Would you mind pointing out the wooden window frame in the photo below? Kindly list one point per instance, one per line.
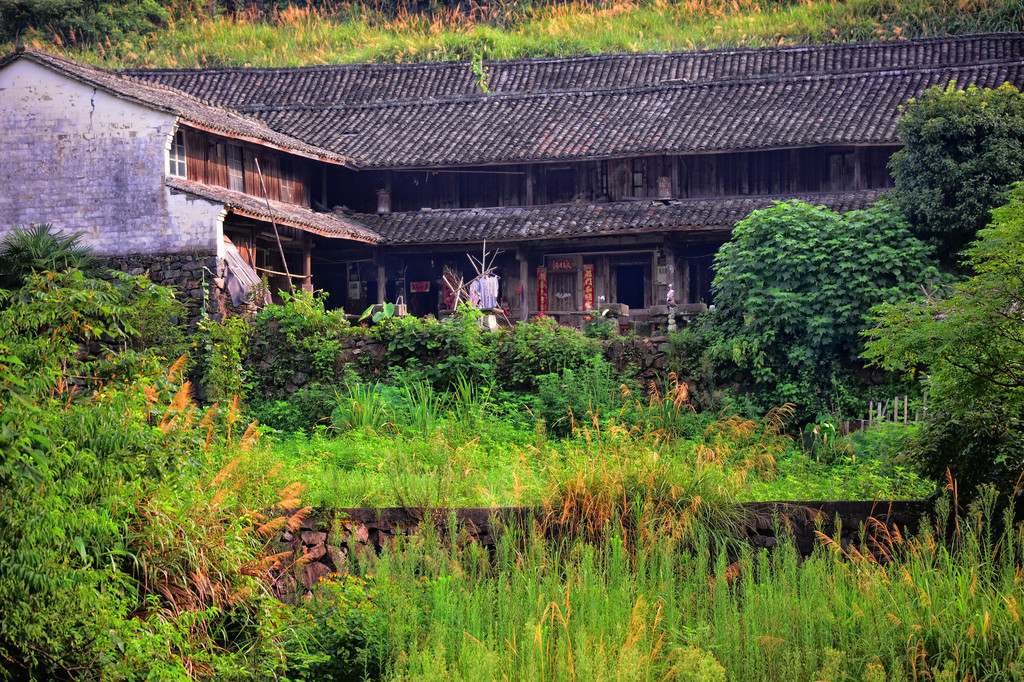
(236, 176)
(177, 165)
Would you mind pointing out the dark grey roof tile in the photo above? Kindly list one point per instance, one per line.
(606, 105)
(539, 222)
(325, 224)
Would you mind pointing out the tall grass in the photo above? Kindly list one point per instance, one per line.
(358, 34)
(591, 610)
(413, 446)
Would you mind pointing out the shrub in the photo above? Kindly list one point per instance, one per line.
(126, 550)
(540, 347)
(793, 288)
(348, 629)
(569, 397)
(300, 335)
(968, 337)
(963, 149)
(438, 351)
(221, 347)
(39, 248)
(303, 410)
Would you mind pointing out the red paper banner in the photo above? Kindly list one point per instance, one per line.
(588, 287)
(542, 289)
(562, 265)
(419, 287)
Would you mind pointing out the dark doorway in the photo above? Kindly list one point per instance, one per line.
(629, 285)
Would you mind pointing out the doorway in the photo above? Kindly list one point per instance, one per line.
(629, 285)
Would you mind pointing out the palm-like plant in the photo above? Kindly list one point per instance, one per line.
(39, 248)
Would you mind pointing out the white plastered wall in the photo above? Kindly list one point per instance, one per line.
(87, 161)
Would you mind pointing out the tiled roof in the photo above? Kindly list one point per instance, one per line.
(728, 115)
(614, 105)
(500, 224)
(546, 222)
(159, 97)
(325, 224)
(363, 83)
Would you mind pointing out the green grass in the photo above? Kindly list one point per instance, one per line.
(357, 34)
(469, 454)
(946, 607)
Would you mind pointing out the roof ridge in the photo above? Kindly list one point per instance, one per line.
(593, 92)
(616, 204)
(607, 56)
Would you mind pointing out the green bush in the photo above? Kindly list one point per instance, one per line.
(348, 629)
(125, 552)
(968, 339)
(298, 335)
(540, 347)
(40, 248)
(221, 348)
(70, 22)
(792, 292)
(571, 397)
(963, 149)
(438, 351)
(303, 410)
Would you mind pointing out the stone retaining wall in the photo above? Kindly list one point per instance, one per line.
(327, 538)
(197, 278)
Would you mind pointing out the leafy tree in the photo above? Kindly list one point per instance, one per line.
(39, 248)
(963, 150)
(793, 288)
(970, 339)
(82, 21)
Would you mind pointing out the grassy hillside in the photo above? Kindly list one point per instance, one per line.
(354, 33)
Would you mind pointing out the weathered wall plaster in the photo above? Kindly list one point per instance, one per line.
(87, 161)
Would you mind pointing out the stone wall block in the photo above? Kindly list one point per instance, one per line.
(314, 571)
(338, 556)
(311, 538)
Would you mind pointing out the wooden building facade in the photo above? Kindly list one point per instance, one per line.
(594, 181)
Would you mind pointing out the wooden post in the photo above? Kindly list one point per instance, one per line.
(871, 410)
(683, 295)
(524, 284)
(655, 298)
(895, 409)
(905, 409)
(381, 276)
(307, 262)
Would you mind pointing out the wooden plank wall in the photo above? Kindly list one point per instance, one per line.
(206, 162)
(817, 169)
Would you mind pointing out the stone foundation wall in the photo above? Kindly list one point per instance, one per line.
(187, 273)
(328, 537)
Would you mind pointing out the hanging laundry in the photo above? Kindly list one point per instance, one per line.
(488, 291)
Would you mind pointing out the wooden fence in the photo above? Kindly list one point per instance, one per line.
(895, 410)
